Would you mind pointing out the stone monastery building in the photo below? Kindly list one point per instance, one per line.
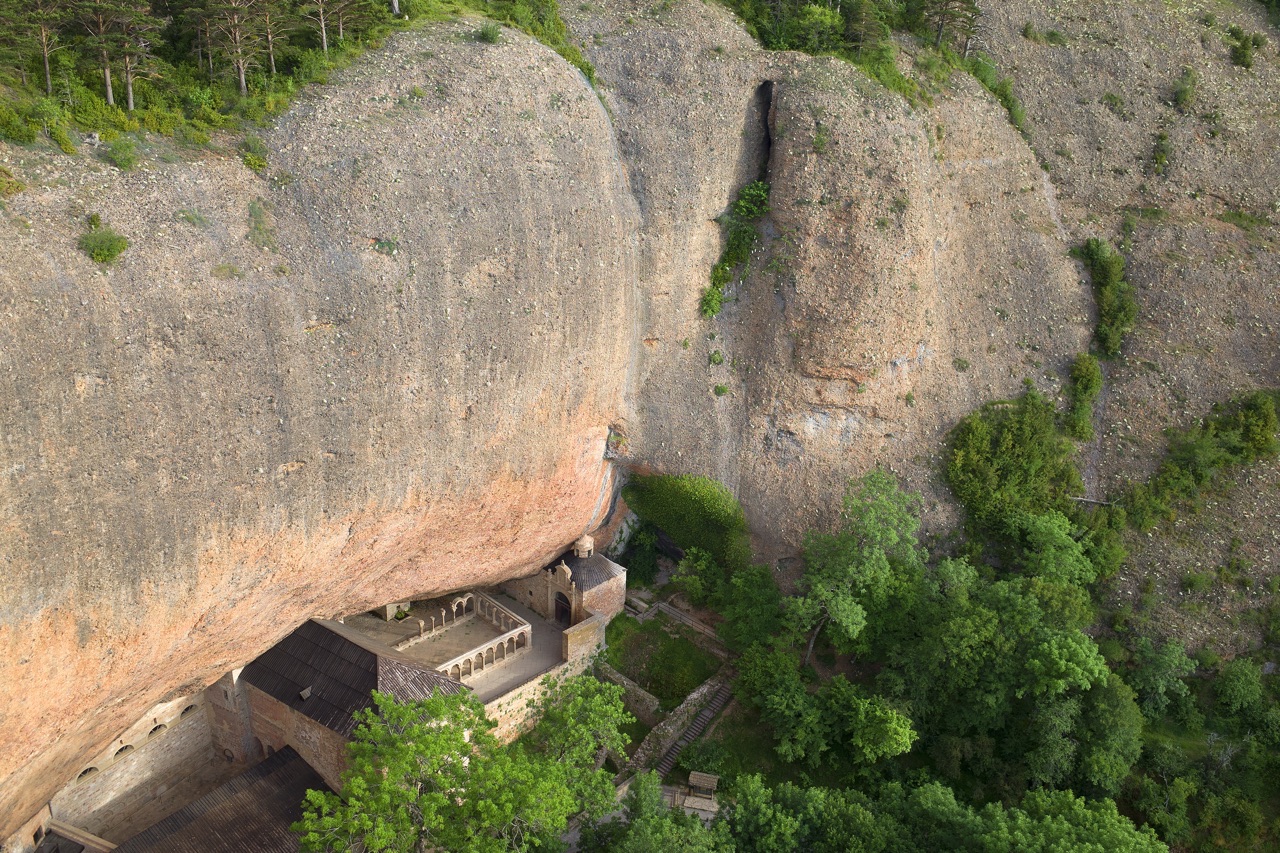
(225, 769)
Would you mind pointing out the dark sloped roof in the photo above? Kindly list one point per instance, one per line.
(342, 667)
(590, 572)
(253, 811)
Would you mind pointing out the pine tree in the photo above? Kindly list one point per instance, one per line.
(101, 19)
(319, 12)
(958, 16)
(865, 28)
(136, 27)
(14, 26)
(276, 20)
(47, 17)
(236, 29)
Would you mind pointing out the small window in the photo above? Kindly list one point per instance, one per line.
(157, 730)
(190, 709)
(87, 772)
(122, 750)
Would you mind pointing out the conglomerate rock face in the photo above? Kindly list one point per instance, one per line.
(387, 367)
(407, 391)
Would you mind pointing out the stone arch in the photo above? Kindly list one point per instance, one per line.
(564, 609)
(469, 603)
(488, 657)
(456, 672)
(458, 608)
(521, 640)
(258, 748)
(124, 749)
(87, 772)
(500, 651)
(190, 709)
(157, 730)
(466, 668)
(511, 646)
(479, 664)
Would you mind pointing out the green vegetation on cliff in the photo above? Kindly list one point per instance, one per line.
(187, 68)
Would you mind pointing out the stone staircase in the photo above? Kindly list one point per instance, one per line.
(696, 728)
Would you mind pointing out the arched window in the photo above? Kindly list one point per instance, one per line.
(122, 750)
(157, 730)
(190, 709)
(87, 772)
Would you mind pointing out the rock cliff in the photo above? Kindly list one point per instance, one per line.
(388, 365)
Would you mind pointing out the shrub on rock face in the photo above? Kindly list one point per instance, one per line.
(101, 242)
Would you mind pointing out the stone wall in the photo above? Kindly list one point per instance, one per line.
(276, 726)
(104, 800)
(608, 598)
(582, 641)
(229, 718)
(513, 711)
(531, 591)
(642, 704)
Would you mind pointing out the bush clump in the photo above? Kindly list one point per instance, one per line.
(1184, 94)
(1007, 459)
(1084, 384)
(750, 206)
(697, 512)
(9, 185)
(101, 242)
(122, 154)
(1236, 433)
(1117, 310)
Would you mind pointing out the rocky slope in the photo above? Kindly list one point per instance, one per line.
(388, 366)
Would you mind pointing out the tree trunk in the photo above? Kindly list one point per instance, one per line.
(244, 88)
(942, 25)
(128, 83)
(271, 50)
(48, 74)
(809, 652)
(324, 34)
(106, 77)
(395, 8)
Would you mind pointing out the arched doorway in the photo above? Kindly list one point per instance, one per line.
(564, 610)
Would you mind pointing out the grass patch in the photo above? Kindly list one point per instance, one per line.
(655, 655)
(1244, 221)
(261, 232)
(193, 217)
(1161, 153)
(984, 71)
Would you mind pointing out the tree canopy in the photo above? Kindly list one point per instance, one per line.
(429, 775)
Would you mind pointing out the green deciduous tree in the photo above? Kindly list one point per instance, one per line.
(1238, 685)
(869, 568)
(1157, 675)
(429, 775)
